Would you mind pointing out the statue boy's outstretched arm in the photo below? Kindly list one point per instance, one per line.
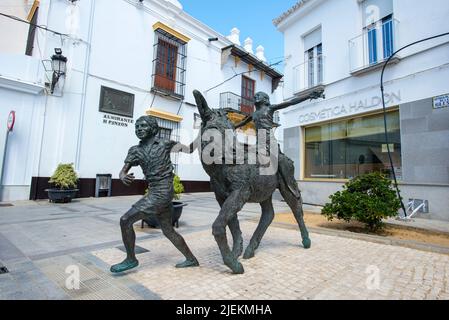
(127, 179)
(179, 147)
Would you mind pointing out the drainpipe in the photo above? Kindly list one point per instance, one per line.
(85, 78)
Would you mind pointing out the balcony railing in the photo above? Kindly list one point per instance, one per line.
(236, 102)
(309, 74)
(375, 45)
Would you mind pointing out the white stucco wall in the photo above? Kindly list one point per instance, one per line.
(20, 91)
(115, 50)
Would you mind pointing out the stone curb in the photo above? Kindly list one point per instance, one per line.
(369, 238)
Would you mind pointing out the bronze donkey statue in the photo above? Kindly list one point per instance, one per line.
(235, 185)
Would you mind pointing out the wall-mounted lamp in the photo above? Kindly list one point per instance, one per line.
(59, 67)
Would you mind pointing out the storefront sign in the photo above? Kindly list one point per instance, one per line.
(350, 108)
(441, 102)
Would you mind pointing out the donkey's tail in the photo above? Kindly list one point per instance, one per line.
(287, 175)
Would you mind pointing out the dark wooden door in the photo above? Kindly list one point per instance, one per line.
(165, 77)
(248, 92)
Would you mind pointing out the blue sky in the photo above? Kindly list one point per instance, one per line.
(252, 17)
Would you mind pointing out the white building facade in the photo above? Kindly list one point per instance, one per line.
(340, 46)
(125, 59)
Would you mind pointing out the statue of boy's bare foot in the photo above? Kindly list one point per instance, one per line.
(188, 264)
(124, 266)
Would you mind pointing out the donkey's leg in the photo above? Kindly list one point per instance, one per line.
(296, 205)
(236, 232)
(232, 205)
(237, 238)
(265, 220)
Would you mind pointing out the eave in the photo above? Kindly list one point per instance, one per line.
(252, 60)
(20, 85)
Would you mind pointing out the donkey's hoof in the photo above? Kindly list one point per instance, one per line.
(307, 243)
(234, 265)
(238, 249)
(238, 268)
(249, 253)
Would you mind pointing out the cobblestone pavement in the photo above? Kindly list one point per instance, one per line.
(42, 244)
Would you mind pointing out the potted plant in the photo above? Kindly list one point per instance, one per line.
(177, 206)
(64, 181)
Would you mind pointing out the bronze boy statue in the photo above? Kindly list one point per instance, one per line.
(153, 156)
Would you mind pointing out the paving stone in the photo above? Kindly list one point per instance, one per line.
(334, 268)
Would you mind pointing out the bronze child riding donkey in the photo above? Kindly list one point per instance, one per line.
(234, 184)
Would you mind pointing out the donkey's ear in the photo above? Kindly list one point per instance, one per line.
(200, 100)
(202, 105)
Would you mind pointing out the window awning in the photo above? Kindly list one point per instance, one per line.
(164, 115)
(171, 31)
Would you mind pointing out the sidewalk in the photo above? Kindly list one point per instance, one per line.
(40, 241)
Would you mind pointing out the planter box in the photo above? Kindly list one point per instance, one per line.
(61, 196)
(153, 222)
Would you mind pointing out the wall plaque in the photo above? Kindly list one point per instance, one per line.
(116, 102)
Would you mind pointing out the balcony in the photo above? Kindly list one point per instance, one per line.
(229, 100)
(309, 76)
(374, 46)
(21, 73)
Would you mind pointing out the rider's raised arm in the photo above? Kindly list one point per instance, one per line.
(287, 104)
(244, 122)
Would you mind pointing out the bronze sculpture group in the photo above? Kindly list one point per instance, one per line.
(234, 184)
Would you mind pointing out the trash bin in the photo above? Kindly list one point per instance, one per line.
(103, 185)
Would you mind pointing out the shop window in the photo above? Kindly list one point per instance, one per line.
(346, 149)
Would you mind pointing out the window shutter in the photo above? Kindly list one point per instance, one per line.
(375, 10)
(312, 39)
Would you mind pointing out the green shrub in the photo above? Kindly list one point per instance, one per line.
(177, 186)
(368, 198)
(64, 177)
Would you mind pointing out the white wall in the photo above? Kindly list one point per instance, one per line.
(14, 34)
(20, 91)
(115, 51)
(417, 21)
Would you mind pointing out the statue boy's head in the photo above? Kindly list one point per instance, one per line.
(261, 98)
(146, 127)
